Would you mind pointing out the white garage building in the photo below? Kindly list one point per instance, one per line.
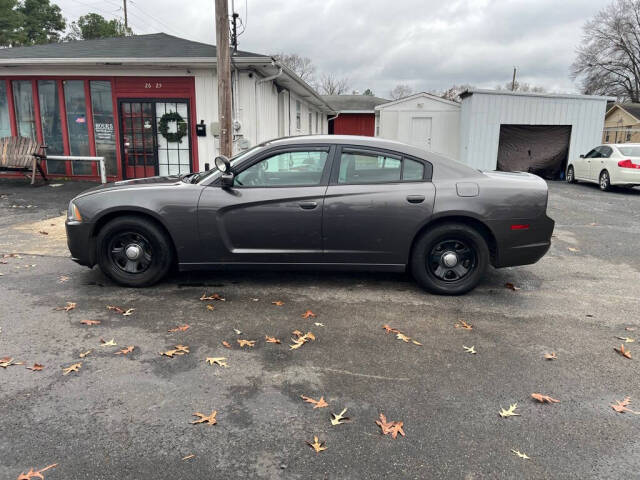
(424, 120)
(536, 132)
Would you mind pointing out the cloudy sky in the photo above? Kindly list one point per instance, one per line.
(377, 44)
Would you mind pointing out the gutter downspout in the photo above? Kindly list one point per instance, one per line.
(255, 88)
(332, 118)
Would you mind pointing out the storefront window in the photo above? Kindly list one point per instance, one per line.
(5, 122)
(51, 123)
(77, 125)
(103, 126)
(23, 101)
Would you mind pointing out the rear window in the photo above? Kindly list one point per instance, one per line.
(630, 151)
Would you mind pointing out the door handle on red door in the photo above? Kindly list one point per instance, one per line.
(308, 205)
(415, 198)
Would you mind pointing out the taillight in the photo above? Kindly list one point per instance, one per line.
(520, 226)
(628, 164)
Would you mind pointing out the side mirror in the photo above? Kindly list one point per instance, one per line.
(581, 156)
(226, 180)
(223, 164)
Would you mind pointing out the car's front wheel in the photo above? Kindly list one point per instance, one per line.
(605, 181)
(450, 259)
(571, 176)
(133, 251)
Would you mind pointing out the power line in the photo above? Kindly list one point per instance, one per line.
(160, 22)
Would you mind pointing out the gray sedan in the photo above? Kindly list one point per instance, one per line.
(317, 202)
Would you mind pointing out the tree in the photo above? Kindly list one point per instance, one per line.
(302, 66)
(92, 26)
(608, 57)
(521, 87)
(42, 22)
(400, 91)
(368, 92)
(10, 21)
(330, 85)
(453, 93)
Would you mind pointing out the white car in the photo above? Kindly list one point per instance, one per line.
(616, 164)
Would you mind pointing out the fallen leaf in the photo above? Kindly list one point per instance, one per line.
(520, 454)
(464, 325)
(621, 406)
(550, 356)
(471, 349)
(90, 322)
(392, 428)
(339, 419)
(73, 368)
(511, 286)
(301, 339)
(226, 344)
(214, 296)
(182, 348)
(544, 398)
(188, 457)
(246, 343)
(8, 362)
(509, 413)
(626, 339)
(114, 308)
(128, 312)
(237, 332)
(415, 342)
(177, 350)
(63, 278)
(316, 445)
(269, 339)
(36, 367)
(296, 332)
(125, 351)
(179, 328)
(623, 352)
(308, 314)
(572, 249)
(220, 361)
(319, 324)
(68, 307)
(403, 337)
(316, 403)
(210, 420)
(210, 307)
(35, 474)
(84, 354)
(277, 303)
(389, 329)
(110, 343)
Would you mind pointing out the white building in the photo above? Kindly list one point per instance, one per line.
(424, 120)
(137, 100)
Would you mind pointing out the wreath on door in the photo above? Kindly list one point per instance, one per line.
(163, 127)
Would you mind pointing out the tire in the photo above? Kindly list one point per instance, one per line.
(131, 235)
(571, 176)
(605, 181)
(466, 243)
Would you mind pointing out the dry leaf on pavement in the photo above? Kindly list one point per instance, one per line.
(269, 339)
(237, 332)
(471, 349)
(220, 361)
(215, 296)
(622, 406)
(90, 322)
(177, 350)
(31, 474)
(520, 454)
(316, 403)
(73, 368)
(511, 412)
(8, 362)
(464, 325)
(393, 428)
(339, 419)
(179, 328)
(389, 329)
(308, 314)
(623, 352)
(68, 307)
(544, 398)
(301, 339)
(316, 445)
(36, 367)
(572, 249)
(511, 286)
(226, 344)
(278, 303)
(188, 457)
(128, 312)
(84, 354)
(210, 307)
(210, 419)
(110, 343)
(246, 343)
(550, 356)
(626, 339)
(125, 351)
(114, 308)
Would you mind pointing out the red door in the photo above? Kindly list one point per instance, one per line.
(138, 133)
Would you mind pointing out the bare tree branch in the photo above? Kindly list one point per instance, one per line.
(330, 85)
(400, 91)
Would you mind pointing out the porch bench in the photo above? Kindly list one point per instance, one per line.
(21, 153)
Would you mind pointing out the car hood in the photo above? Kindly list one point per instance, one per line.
(129, 184)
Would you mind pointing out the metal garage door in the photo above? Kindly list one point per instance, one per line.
(538, 149)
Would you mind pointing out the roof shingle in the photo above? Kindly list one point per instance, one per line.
(342, 103)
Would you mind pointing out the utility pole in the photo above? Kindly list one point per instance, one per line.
(224, 77)
(513, 82)
(126, 19)
(234, 34)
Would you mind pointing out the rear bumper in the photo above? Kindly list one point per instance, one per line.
(80, 243)
(523, 247)
(626, 176)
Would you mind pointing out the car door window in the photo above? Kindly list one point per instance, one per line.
(412, 170)
(593, 154)
(361, 167)
(605, 152)
(286, 169)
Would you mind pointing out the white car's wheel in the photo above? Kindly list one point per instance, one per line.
(605, 181)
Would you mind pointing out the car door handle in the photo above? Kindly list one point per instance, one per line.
(308, 205)
(415, 198)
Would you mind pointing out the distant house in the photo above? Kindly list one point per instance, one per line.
(356, 114)
(137, 101)
(622, 123)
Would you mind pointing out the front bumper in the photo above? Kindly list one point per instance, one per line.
(80, 243)
(523, 247)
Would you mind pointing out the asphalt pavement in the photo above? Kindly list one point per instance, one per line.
(128, 416)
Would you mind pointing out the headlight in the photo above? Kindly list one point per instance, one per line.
(73, 214)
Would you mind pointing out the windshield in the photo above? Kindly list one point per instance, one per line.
(630, 151)
(202, 176)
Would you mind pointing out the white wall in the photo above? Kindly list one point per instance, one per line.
(483, 113)
(395, 123)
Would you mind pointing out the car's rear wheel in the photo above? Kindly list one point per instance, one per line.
(134, 251)
(605, 181)
(450, 259)
(571, 176)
